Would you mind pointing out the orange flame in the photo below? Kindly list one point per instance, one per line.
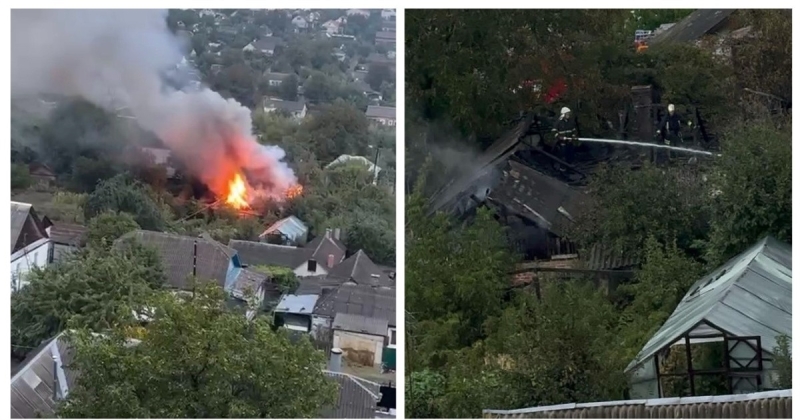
(237, 193)
(294, 191)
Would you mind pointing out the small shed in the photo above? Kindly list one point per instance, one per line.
(294, 312)
(361, 338)
(287, 231)
(741, 308)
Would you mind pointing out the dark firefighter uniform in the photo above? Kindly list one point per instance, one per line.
(670, 128)
(566, 137)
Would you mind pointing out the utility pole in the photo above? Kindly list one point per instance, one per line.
(375, 164)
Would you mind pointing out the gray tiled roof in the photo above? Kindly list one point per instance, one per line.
(358, 300)
(358, 398)
(34, 385)
(375, 111)
(177, 256)
(260, 253)
(287, 106)
(361, 324)
(360, 269)
(68, 234)
(324, 245)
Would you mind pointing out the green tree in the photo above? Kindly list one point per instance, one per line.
(108, 226)
(377, 74)
(123, 194)
(662, 281)
(338, 129)
(625, 207)
(20, 176)
(320, 87)
(284, 277)
(423, 389)
(783, 362)
(752, 184)
(288, 89)
(96, 289)
(86, 173)
(229, 367)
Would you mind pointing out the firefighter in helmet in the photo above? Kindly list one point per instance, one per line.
(566, 134)
(670, 127)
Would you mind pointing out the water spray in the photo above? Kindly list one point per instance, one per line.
(656, 145)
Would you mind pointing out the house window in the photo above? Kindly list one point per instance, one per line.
(312, 266)
(392, 337)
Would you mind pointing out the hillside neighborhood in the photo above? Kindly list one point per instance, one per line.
(631, 251)
(118, 240)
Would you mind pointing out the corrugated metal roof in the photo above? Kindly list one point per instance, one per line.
(361, 324)
(606, 258)
(562, 410)
(291, 227)
(692, 27)
(750, 295)
(358, 398)
(34, 386)
(260, 253)
(374, 302)
(297, 304)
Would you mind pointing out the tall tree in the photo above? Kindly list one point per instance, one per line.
(96, 289)
(123, 194)
(197, 359)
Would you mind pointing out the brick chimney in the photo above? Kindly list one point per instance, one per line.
(330, 260)
(337, 234)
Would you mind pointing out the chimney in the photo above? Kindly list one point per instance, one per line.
(330, 260)
(328, 233)
(335, 364)
(337, 234)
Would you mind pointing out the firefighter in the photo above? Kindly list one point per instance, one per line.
(566, 134)
(670, 127)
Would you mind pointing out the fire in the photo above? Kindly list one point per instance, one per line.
(237, 193)
(294, 191)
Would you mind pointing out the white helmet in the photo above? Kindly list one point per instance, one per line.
(671, 108)
(565, 110)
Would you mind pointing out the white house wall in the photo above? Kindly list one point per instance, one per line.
(302, 271)
(34, 255)
(353, 344)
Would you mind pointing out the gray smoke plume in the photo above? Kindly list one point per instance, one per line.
(115, 59)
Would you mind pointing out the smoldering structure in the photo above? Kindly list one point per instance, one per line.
(116, 59)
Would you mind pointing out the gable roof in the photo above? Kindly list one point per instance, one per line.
(750, 295)
(178, 257)
(361, 324)
(287, 106)
(358, 300)
(34, 385)
(692, 27)
(26, 227)
(291, 227)
(376, 111)
(68, 234)
(324, 245)
(260, 253)
(358, 398)
(267, 43)
(360, 269)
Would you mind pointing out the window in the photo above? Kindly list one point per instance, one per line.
(312, 266)
(392, 337)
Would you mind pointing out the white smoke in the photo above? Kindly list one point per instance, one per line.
(115, 59)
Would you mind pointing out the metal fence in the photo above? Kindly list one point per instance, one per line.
(765, 405)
